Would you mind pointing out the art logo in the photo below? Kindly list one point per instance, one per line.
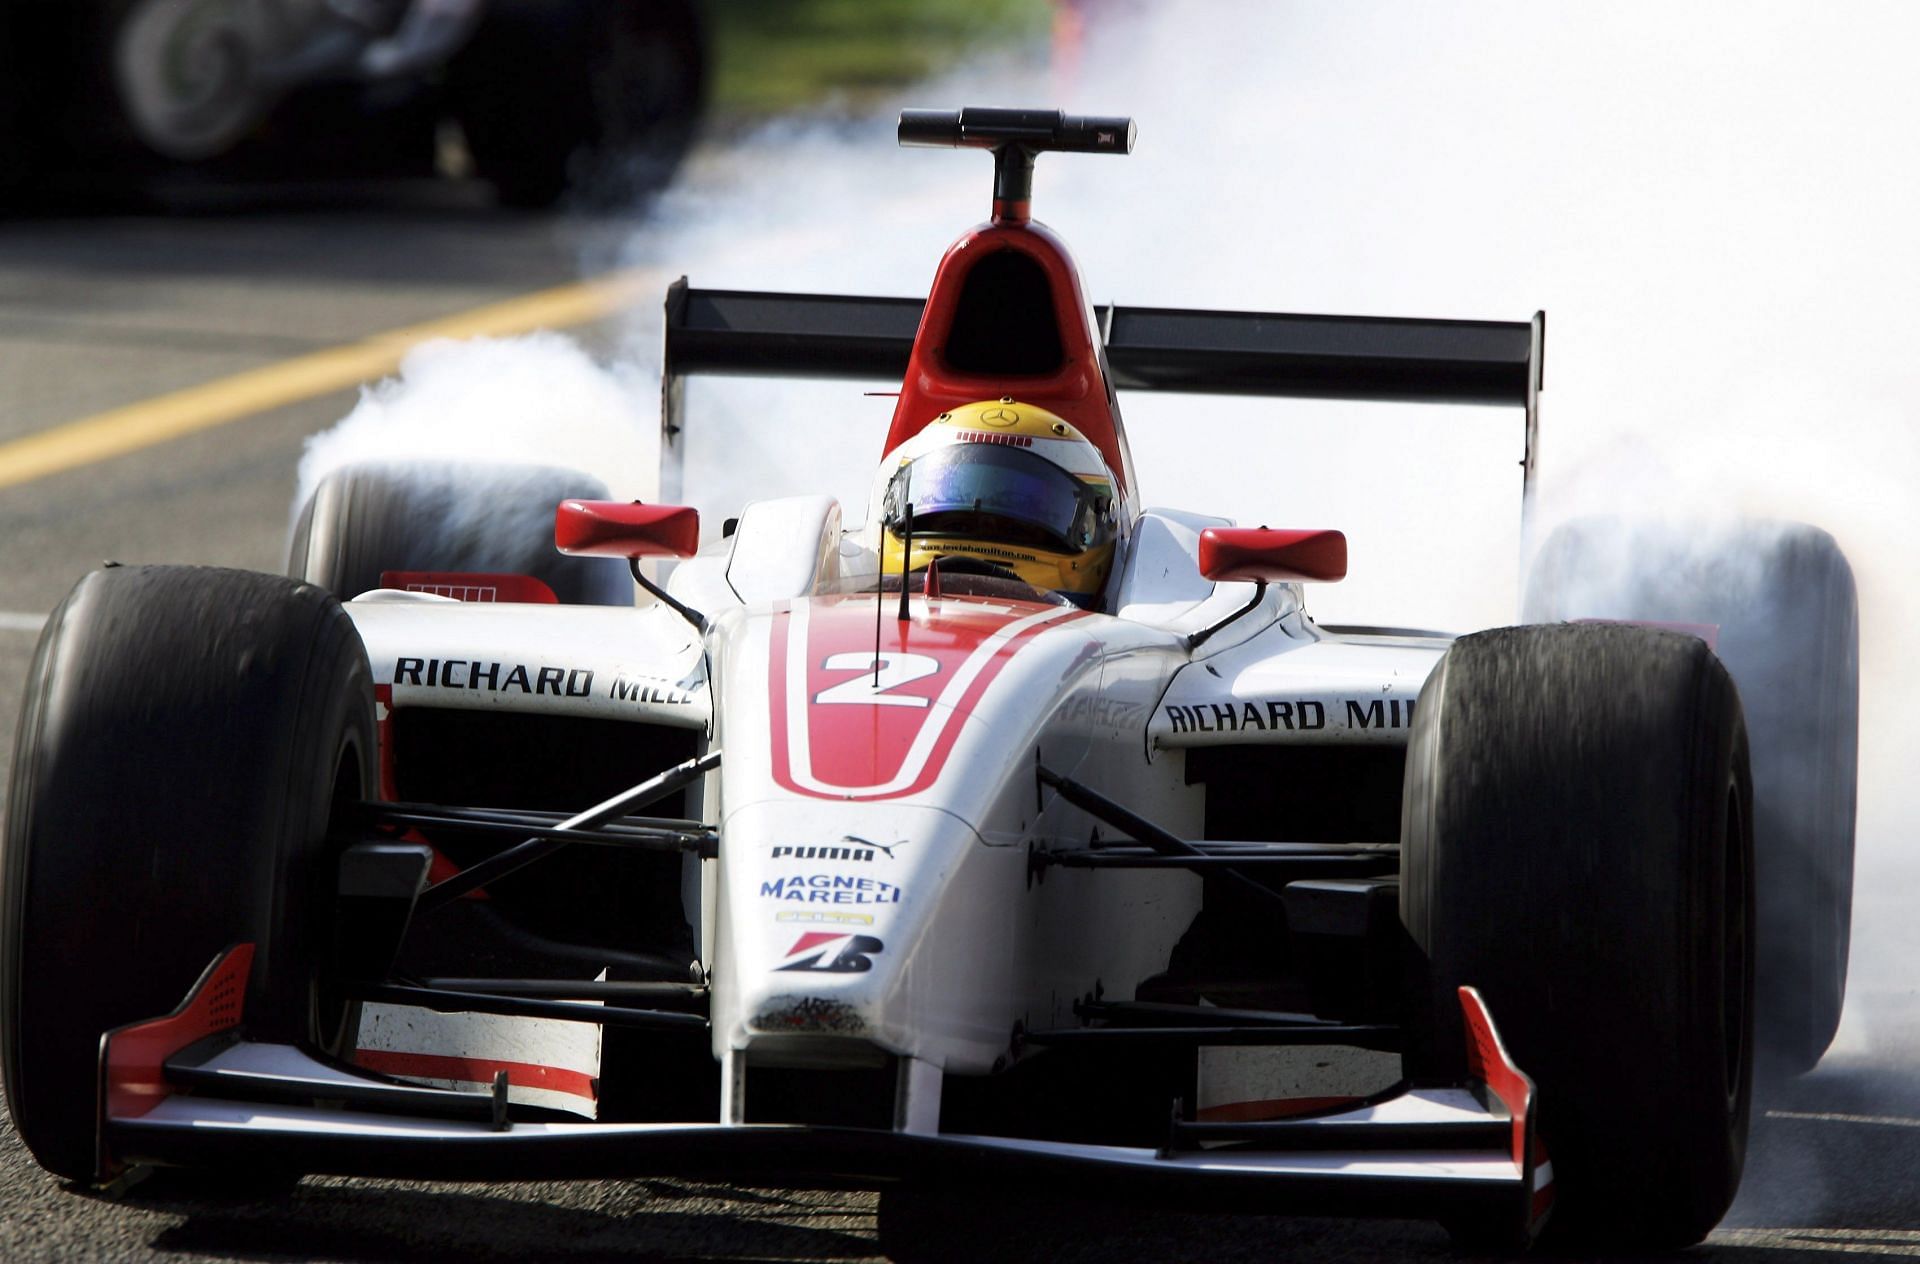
(831, 952)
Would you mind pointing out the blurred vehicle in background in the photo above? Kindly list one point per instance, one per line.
(107, 96)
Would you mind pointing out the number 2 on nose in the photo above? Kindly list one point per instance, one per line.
(875, 687)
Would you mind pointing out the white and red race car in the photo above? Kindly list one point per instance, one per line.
(1139, 884)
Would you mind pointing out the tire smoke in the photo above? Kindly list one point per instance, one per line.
(1700, 198)
(1705, 199)
(540, 400)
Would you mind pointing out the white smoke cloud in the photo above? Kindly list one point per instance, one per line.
(1700, 233)
(1710, 200)
(536, 400)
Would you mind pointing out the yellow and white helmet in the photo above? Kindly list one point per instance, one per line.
(1005, 484)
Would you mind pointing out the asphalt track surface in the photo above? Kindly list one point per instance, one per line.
(102, 313)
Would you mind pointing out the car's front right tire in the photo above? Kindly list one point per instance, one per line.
(187, 737)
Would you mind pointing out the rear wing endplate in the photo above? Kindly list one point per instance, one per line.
(1391, 359)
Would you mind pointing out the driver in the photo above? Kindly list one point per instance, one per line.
(1001, 488)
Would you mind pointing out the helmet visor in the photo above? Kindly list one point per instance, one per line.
(999, 493)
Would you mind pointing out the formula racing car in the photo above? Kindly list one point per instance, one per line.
(1017, 837)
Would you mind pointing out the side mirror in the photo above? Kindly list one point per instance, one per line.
(619, 528)
(1267, 556)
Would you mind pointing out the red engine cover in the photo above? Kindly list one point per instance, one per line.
(1077, 391)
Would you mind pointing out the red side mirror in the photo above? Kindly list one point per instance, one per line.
(1259, 553)
(619, 528)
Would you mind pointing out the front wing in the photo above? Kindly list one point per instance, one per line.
(191, 1090)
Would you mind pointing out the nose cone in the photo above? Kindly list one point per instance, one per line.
(840, 930)
(871, 889)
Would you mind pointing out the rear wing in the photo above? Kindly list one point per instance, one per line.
(1391, 359)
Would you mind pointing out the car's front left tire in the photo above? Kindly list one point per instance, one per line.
(1577, 844)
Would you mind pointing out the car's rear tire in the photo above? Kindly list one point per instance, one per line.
(1782, 597)
(599, 94)
(1576, 845)
(186, 735)
(365, 519)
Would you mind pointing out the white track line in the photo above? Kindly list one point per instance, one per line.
(1829, 1117)
(11, 621)
(1895, 1242)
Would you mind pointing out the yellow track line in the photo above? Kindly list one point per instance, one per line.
(119, 431)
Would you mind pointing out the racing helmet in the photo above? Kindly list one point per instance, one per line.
(1003, 487)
